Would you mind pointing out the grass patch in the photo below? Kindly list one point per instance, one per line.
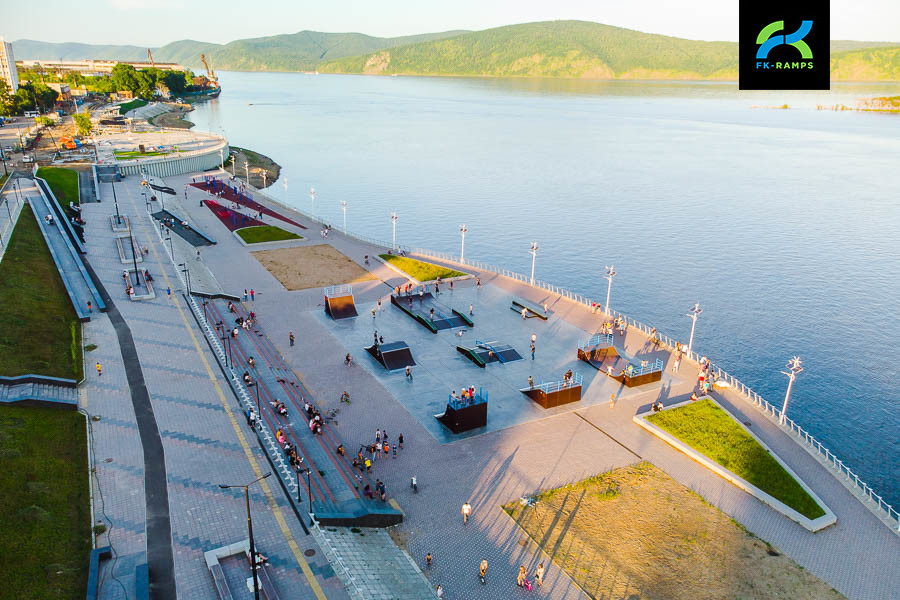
(711, 431)
(266, 233)
(63, 182)
(126, 154)
(3, 179)
(422, 271)
(41, 333)
(136, 103)
(45, 522)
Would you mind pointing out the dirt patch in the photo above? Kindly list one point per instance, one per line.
(305, 267)
(257, 164)
(174, 118)
(637, 533)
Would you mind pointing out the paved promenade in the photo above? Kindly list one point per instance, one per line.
(203, 436)
(206, 443)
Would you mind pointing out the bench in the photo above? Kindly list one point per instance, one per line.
(265, 582)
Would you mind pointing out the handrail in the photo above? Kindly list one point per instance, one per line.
(554, 386)
(338, 290)
(596, 339)
(481, 396)
(773, 413)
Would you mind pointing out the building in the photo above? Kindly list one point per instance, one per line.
(8, 66)
(93, 67)
(63, 89)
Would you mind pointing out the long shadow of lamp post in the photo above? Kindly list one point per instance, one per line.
(250, 528)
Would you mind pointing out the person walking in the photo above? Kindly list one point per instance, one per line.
(521, 577)
(439, 591)
(524, 313)
(612, 401)
(676, 364)
(482, 570)
(99, 370)
(532, 350)
(291, 337)
(400, 441)
(539, 575)
(428, 559)
(90, 307)
(252, 295)
(471, 312)
(466, 511)
(408, 373)
(245, 295)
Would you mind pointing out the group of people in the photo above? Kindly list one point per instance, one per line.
(466, 397)
(315, 418)
(324, 233)
(380, 491)
(618, 324)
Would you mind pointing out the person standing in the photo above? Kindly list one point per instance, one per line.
(408, 373)
(90, 307)
(428, 560)
(524, 313)
(471, 312)
(252, 295)
(532, 350)
(291, 337)
(676, 364)
(99, 370)
(245, 295)
(466, 512)
(400, 441)
(539, 575)
(482, 570)
(520, 578)
(439, 591)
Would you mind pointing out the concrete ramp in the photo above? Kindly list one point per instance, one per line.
(393, 356)
(341, 307)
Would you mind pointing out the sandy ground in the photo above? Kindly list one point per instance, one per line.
(174, 118)
(257, 163)
(305, 267)
(636, 533)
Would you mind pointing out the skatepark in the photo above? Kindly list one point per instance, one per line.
(441, 368)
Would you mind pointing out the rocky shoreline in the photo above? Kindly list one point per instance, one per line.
(257, 165)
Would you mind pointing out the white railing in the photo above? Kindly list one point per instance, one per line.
(847, 476)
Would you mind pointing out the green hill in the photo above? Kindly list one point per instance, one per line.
(579, 49)
(575, 49)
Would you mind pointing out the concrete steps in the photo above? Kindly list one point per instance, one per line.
(38, 393)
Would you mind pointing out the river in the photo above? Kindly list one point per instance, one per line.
(783, 224)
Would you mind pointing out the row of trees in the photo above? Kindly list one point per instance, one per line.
(142, 84)
(29, 96)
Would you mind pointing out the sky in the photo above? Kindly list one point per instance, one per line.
(155, 23)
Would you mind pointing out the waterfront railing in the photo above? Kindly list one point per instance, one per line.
(844, 474)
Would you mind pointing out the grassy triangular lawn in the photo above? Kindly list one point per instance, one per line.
(713, 432)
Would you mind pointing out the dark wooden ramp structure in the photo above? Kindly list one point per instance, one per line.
(465, 415)
(339, 302)
(556, 393)
(393, 355)
(600, 353)
(420, 306)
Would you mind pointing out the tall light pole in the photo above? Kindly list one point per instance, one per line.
(232, 165)
(222, 158)
(285, 187)
(533, 250)
(394, 230)
(344, 208)
(247, 171)
(116, 200)
(462, 245)
(250, 528)
(693, 314)
(312, 197)
(794, 369)
(610, 273)
(265, 178)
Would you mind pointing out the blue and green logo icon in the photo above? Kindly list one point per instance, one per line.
(767, 40)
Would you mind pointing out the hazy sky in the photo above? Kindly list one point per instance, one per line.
(157, 22)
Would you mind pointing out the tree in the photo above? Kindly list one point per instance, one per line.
(7, 105)
(124, 77)
(45, 96)
(83, 121)
(146, 85)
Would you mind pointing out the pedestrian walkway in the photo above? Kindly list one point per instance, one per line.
(77, 281)
(9, 213)
(371, 565)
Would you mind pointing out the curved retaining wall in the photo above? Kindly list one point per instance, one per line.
(168, 166)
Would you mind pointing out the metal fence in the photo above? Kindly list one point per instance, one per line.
(844, 473)
(554, 386)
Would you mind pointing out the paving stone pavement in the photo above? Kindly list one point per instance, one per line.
(204, 437)
(857, 556)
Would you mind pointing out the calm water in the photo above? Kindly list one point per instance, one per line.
(783, 224)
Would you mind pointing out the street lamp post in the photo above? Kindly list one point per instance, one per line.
(794, 368)
(534, 249)
(247, 171)
(462, 245)
(137, 276)
(265, 175)
(693, 314)
(312, 197)
(308, 490)
(250, 529)
(610, 273)
(222, 158)
(187, 275)
(232, 165)
(394, 230)
(344, 208)
(116, 200)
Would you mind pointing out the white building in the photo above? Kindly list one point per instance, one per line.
(8, 66)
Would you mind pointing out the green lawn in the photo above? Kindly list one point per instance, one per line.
(3, 179)
(40, 332)
(421, 271)
(45, 520)
(136, 103)
(712, 432)
(266, 233)
(63, 182)
(126, 154)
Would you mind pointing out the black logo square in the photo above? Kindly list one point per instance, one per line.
(784, 45)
